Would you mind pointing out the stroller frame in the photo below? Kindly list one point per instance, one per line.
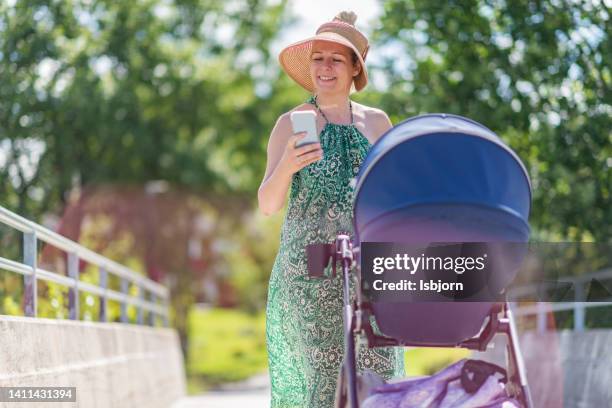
(357, 323)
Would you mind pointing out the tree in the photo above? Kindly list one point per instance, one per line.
(101, 95)
(126, 92)
(535, 72)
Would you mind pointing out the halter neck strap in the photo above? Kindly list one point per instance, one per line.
(314, 102)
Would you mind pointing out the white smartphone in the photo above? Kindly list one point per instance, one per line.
(305, 121)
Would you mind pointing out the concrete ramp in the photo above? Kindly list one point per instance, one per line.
(565, 368)
(110, 364)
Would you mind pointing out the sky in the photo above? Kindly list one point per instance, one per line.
(313, 13)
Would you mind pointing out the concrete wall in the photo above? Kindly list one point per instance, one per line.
(110, 364)
(565, 369)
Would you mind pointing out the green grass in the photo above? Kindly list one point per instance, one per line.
(230, 345)
(225, 346)
(427, 361)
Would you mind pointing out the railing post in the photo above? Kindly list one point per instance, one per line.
(141, 297)
(579, 312)
(124, 290)
(73, 292)
(166, 315)
(151, 318)
(541, 318)
(103, 300)
(30, 252)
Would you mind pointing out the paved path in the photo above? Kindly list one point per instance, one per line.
(254, 393)
(225, 400)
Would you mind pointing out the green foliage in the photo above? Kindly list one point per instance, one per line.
(11, 293)
(226, 345)
(538, 73)
(125, 92)
(427, 361)
(597, 316)
(250, 258)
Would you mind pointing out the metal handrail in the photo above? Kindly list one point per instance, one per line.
(578, 305)
(32, 233)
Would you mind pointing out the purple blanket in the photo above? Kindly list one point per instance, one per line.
(441, 390)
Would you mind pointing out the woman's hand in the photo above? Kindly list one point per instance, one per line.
(296, 158)
(284, 160)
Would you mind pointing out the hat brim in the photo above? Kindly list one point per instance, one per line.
(295, 60)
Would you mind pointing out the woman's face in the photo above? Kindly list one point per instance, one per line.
(331, 67)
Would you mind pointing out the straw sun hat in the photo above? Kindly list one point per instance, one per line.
(295, 58)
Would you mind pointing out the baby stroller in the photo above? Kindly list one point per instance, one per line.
(432, 178)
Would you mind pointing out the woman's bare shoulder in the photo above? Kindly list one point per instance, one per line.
(375, 120)
(370, 112)
(284, 120)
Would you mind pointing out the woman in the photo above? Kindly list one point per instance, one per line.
(304, 317)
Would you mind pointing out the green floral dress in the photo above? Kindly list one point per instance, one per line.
(304, 325)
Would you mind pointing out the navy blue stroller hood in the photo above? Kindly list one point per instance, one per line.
(433, 179)
(441, 177)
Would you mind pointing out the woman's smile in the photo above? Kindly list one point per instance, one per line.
(326, 79)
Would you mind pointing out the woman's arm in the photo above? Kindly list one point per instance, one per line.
(284, 159)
